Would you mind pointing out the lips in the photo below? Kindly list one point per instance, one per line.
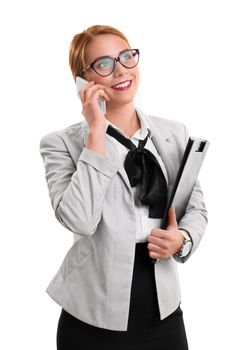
(122, 86)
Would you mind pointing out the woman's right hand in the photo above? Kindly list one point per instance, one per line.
(89, 95)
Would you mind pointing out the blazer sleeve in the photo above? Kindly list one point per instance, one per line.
(195, 218)
(76, 191)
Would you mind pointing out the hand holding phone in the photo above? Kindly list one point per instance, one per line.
(80, 83)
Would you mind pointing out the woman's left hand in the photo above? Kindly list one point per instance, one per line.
(164, 243)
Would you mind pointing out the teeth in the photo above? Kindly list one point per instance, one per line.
(122, 85)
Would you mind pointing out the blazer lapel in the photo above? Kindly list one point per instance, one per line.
(161, 137)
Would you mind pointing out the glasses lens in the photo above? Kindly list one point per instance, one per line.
(104, 66)
(129, 58)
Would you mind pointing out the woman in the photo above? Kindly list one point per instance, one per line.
(118, 284)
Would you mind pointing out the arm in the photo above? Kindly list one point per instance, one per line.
(195, 218)
(166, 243)
(76, 191)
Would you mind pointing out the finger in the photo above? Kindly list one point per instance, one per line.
(172, 218)
(100, 93)
(92, 89)
(162, 243)
(153, 255)
(158, 250)
(157, 232)
(103, 94)
(156, 255)
(155, 249)
(82, 92)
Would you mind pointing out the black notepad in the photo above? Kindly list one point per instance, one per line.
(192, 159)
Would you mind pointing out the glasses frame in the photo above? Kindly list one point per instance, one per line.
(115, 59)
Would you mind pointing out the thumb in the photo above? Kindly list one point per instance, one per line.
(172, 223)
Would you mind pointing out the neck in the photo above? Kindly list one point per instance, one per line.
(124, 117)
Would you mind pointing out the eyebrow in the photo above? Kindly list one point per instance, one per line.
(100, 57)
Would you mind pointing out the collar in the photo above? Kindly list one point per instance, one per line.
(139, 134)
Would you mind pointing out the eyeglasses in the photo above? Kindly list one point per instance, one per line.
(105, 65)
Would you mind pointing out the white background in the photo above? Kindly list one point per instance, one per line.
(186, 75)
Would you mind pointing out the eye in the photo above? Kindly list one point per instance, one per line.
(126, 56)
(103, 64)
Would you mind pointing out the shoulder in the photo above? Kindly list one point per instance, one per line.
(68, 135)
(68, 140)
(166, 126)
(165, 122)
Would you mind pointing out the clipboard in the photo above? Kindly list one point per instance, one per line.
(191, 163)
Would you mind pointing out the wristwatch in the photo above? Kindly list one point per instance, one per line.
(186, 246)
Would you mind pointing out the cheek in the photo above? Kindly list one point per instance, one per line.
(107, 81)
(137, 74)
(97, 79)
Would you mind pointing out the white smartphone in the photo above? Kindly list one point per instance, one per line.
(80, 82)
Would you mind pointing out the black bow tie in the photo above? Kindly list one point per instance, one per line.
(143, 168)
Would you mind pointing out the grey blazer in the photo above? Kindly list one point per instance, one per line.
(91, 197)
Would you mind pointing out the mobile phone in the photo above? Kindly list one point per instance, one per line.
(80, 82)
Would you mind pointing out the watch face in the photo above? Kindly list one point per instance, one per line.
(186, 248)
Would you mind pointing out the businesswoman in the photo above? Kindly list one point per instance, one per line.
(109, 177)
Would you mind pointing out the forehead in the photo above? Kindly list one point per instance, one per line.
(105, 45)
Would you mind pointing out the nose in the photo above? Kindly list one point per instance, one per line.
(119, 70)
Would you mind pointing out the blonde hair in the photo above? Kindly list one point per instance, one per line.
(80, 41)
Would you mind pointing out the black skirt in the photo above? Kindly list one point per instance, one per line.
(145, 329)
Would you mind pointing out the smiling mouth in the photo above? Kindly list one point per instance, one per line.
(122, 86)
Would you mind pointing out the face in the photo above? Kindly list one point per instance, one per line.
(112, 45)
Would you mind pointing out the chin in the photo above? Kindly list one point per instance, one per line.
(124, 97)
(121, 101)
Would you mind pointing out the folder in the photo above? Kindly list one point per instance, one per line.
(191, 162)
